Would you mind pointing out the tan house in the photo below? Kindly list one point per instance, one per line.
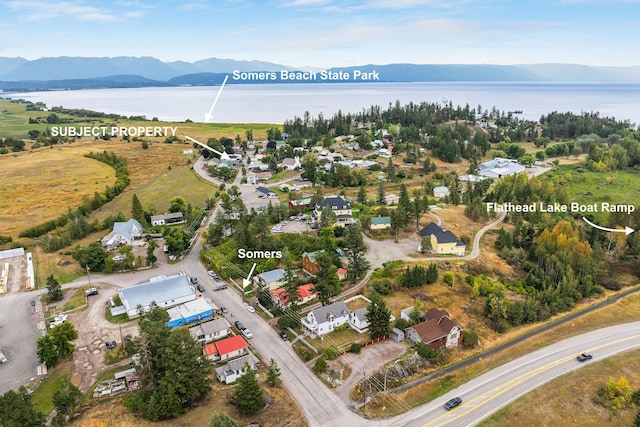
(339, 206)
(442, 241)
(437, 331)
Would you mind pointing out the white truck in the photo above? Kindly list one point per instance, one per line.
(3, 358)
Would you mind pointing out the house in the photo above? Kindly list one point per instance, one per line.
(437, 331)
(440, 192)
(300, 203)
(165, 291)
(358, 320)
(342, 274)
(210, 331)
(391, 199)
(272, 279)
(377, 143)
(227, 348)
(188, 313)
(310, 262)
(124, 233)
(322, 320)
(255, 177)
(443, 241)
(384, 152)
(167, 218)
(291, 164)
(280, 296)
(405, 314)
(380, 222)
(341, 207)
(264, 192)
(234, 369)
(499, 168)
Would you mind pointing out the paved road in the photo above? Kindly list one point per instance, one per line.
(499, 387)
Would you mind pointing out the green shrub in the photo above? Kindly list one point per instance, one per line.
(320, 365)
(355, 348)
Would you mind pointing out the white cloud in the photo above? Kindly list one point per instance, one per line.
(41, 10)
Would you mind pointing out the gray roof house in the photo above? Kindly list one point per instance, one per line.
(265, 192)
(124, 233)
(166, 291)
(499, 168)
(322, 320)
(233, 370)
(210, 331)
(272, 279)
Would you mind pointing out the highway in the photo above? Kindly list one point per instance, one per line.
(499, 387)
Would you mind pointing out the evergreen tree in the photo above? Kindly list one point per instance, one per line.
(273, 374)
(174, 374)
(222, 420)
(356, 250)
(381, 194)
(432, 274)
(66, 401)
(16, 410)
(290, 279)
(636, 420)
(362, 195)
(248, 394)
(327, 284)
(425, 244)
(151, 246)
(391, 170)
(54, 289)
(404, 207)
(378, 316)
(137, 212)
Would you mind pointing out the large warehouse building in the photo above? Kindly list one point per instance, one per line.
(166, 291)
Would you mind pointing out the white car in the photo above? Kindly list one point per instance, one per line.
(212, 273)
(118, 258)
(247, 333)
(251, 309)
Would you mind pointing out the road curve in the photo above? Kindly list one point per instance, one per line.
(499, 387)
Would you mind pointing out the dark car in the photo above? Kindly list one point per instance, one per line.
(200, 288)
(239, 325)
(283, 335)
(584, 357)
(194, 280)
(456, 401)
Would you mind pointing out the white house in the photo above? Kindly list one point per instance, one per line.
(292, 164)
(323, 320)
(358, 320)
(124, 233)
(167, 218)
(210, 331)
(440, 192)
(233, 370)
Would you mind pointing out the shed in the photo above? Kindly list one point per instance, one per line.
(397, 335)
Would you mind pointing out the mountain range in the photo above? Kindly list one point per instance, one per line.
(19, 74)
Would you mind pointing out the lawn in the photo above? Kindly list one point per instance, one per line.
(587, 187)
(43, 393)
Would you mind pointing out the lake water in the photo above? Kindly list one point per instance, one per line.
(275, 103)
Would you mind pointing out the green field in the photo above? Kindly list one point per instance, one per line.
(587, 187)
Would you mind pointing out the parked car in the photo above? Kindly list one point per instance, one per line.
(200, 288)
(220, 287)
(212, 273)
(283, 335)
(110, 345)
(33, 302)
(239, 325)
(250, 309)
(224, 309)
(194, 280)
(92, 291)
(247, 333)
(584, 357)
(118, 258)
(456, 401)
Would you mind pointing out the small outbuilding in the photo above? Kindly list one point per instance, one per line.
(397, 335)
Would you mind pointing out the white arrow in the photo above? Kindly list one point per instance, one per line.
(246, 282)
(223, 155)
(208, 115)
(627, 230)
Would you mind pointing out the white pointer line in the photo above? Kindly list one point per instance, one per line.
(626, 230)
(208, 115)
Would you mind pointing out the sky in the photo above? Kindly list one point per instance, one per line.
(328, 33)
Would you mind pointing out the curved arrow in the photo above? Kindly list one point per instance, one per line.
(209, 114)
(627, 230)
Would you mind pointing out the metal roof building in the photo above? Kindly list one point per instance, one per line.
(166, 291)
